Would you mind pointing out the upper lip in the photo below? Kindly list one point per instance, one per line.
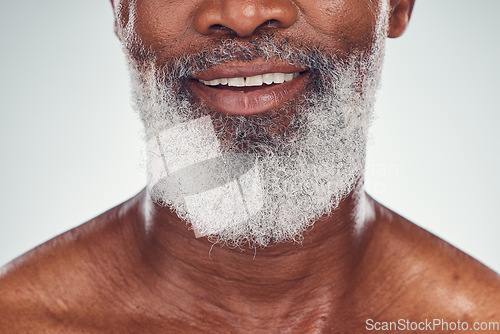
(240, 69)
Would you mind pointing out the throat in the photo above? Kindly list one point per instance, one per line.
(262, 283)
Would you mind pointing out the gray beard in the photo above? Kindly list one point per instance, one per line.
(262, 178)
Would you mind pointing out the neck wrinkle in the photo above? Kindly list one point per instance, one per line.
(318, 269)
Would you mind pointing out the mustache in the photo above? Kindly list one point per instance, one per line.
(266, 46)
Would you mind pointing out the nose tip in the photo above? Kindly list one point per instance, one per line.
(243, 17)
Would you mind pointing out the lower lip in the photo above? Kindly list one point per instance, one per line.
(253, 102)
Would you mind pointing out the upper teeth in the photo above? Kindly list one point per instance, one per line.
(256, 80)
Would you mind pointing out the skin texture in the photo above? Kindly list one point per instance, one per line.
(138, 268)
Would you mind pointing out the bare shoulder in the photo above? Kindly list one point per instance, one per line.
(430, 277)
(62, 279)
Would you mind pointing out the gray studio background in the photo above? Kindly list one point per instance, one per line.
(70, 144)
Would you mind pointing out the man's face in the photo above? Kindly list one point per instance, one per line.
(256, 112)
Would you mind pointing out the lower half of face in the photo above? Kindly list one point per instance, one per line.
(265, 177)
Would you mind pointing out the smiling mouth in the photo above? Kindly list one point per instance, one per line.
(242, 84)
(242, 90)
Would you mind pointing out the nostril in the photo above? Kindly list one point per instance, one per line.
(270, 24)
(219, 28)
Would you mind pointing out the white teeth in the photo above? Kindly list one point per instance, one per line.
(279, 77)
(256, 80)
(236, 82)
(268, 78)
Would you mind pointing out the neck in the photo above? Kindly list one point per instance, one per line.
(319, 268)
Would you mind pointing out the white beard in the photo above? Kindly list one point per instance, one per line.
(272, 190)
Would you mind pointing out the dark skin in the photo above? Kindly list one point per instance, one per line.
(138, 268)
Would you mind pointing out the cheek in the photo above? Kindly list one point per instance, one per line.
(159, 24)
(346, 24)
